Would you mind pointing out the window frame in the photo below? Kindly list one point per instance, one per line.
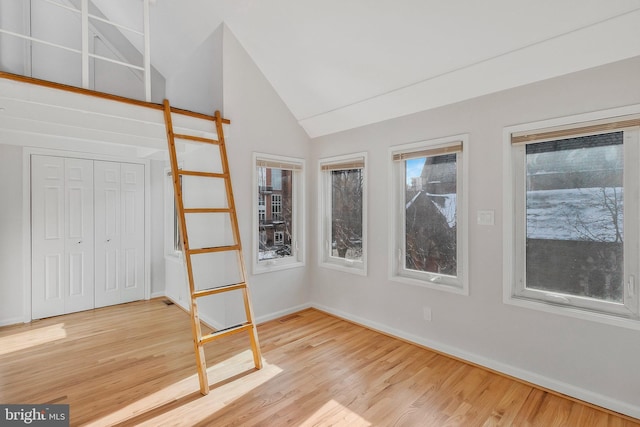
(458, 284)
(325, 258)
(514, 209)
(297, 257)
(172, 244)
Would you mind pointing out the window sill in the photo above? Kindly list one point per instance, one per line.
(174, 257)
(574, 312)
(353, 268)
(430, 285)
(266, 267)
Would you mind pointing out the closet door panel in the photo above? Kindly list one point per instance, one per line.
(133, 224)
(108, 229)
(79, 238)
(119, 201)
(47, 236)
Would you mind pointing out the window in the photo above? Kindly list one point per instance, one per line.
(278, 228)
(428, 232)
(278, 238)
(173, 245)
(575, 231)
(276, 178)
(262, 208)
(344, 219)
(276, 199)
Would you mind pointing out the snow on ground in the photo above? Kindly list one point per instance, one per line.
(565, 214)
(574, 214)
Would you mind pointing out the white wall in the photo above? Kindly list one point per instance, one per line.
(60, 26)
(12, 49)
(156, 216)
(198, 84)
(592, 361)
(261, 122)
(114, 78)
(11, 263)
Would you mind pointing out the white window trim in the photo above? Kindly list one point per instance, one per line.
(297, 259)
(509, 218)
(459, 284)
(324, 195)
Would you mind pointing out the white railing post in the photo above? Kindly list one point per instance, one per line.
(28, 47)
(147, 53)
(84, 9)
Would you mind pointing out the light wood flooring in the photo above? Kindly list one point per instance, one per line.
(134, 365)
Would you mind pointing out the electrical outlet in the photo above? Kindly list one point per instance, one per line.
(426, 313)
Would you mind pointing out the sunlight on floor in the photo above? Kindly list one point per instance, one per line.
(182, 400)
(335, 414)
(31, 338)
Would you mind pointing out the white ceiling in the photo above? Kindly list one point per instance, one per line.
(339, 64)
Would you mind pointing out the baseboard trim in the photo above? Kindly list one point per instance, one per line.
(211, 323)
(207, 321)
(568, 391)
(12, 321)
(281, 313)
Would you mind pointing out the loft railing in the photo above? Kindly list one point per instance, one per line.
(83, 11)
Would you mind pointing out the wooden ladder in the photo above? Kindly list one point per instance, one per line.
(249, 326)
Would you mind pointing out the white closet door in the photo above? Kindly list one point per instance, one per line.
(62, 235)
(132, 232)
(119, 201)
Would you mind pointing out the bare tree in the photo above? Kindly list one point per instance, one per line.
(346, 212)
(430, 240)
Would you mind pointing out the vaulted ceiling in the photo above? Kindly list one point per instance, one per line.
(340, 64)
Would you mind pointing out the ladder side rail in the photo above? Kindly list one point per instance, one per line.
(229, 189)
(196, 328)
(253, 334)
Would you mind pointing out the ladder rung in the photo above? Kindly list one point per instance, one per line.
(207, 210)
(225, 332)
(219, 289)
(215, 249)
(204, 174)
(196, 138)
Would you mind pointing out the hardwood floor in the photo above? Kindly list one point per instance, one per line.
(134, 365)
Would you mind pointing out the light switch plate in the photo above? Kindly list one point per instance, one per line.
(486, 217)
